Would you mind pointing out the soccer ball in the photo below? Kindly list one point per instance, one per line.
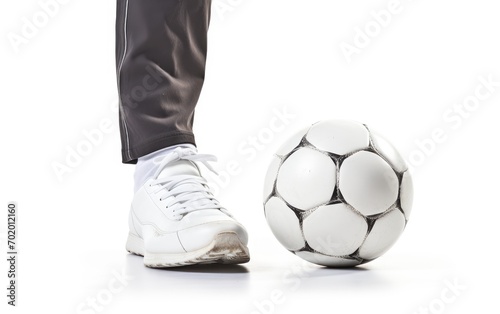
(337, 194)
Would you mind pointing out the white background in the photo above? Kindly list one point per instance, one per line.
(264, 55)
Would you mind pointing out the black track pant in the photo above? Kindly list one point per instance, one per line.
(161, 48)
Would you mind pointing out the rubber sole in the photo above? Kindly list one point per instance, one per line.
(226, 248)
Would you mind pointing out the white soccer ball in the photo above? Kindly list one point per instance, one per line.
(337, 194)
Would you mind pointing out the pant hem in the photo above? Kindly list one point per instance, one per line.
(130, 156)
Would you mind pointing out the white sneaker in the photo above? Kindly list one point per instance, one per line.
(175, 219)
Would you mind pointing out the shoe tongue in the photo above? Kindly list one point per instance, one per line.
(181, 167)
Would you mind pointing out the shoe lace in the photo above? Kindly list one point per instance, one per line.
(184, 194)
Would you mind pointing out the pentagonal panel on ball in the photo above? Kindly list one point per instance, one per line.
(388, 151)
(338, 136)
(272, 172)
(383, 235)
(284, 224)
(307, 179)
(334, 230)
(368, 183)
(406, 194)
(329, 261)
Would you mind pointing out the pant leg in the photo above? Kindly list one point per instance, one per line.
(161, 48)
